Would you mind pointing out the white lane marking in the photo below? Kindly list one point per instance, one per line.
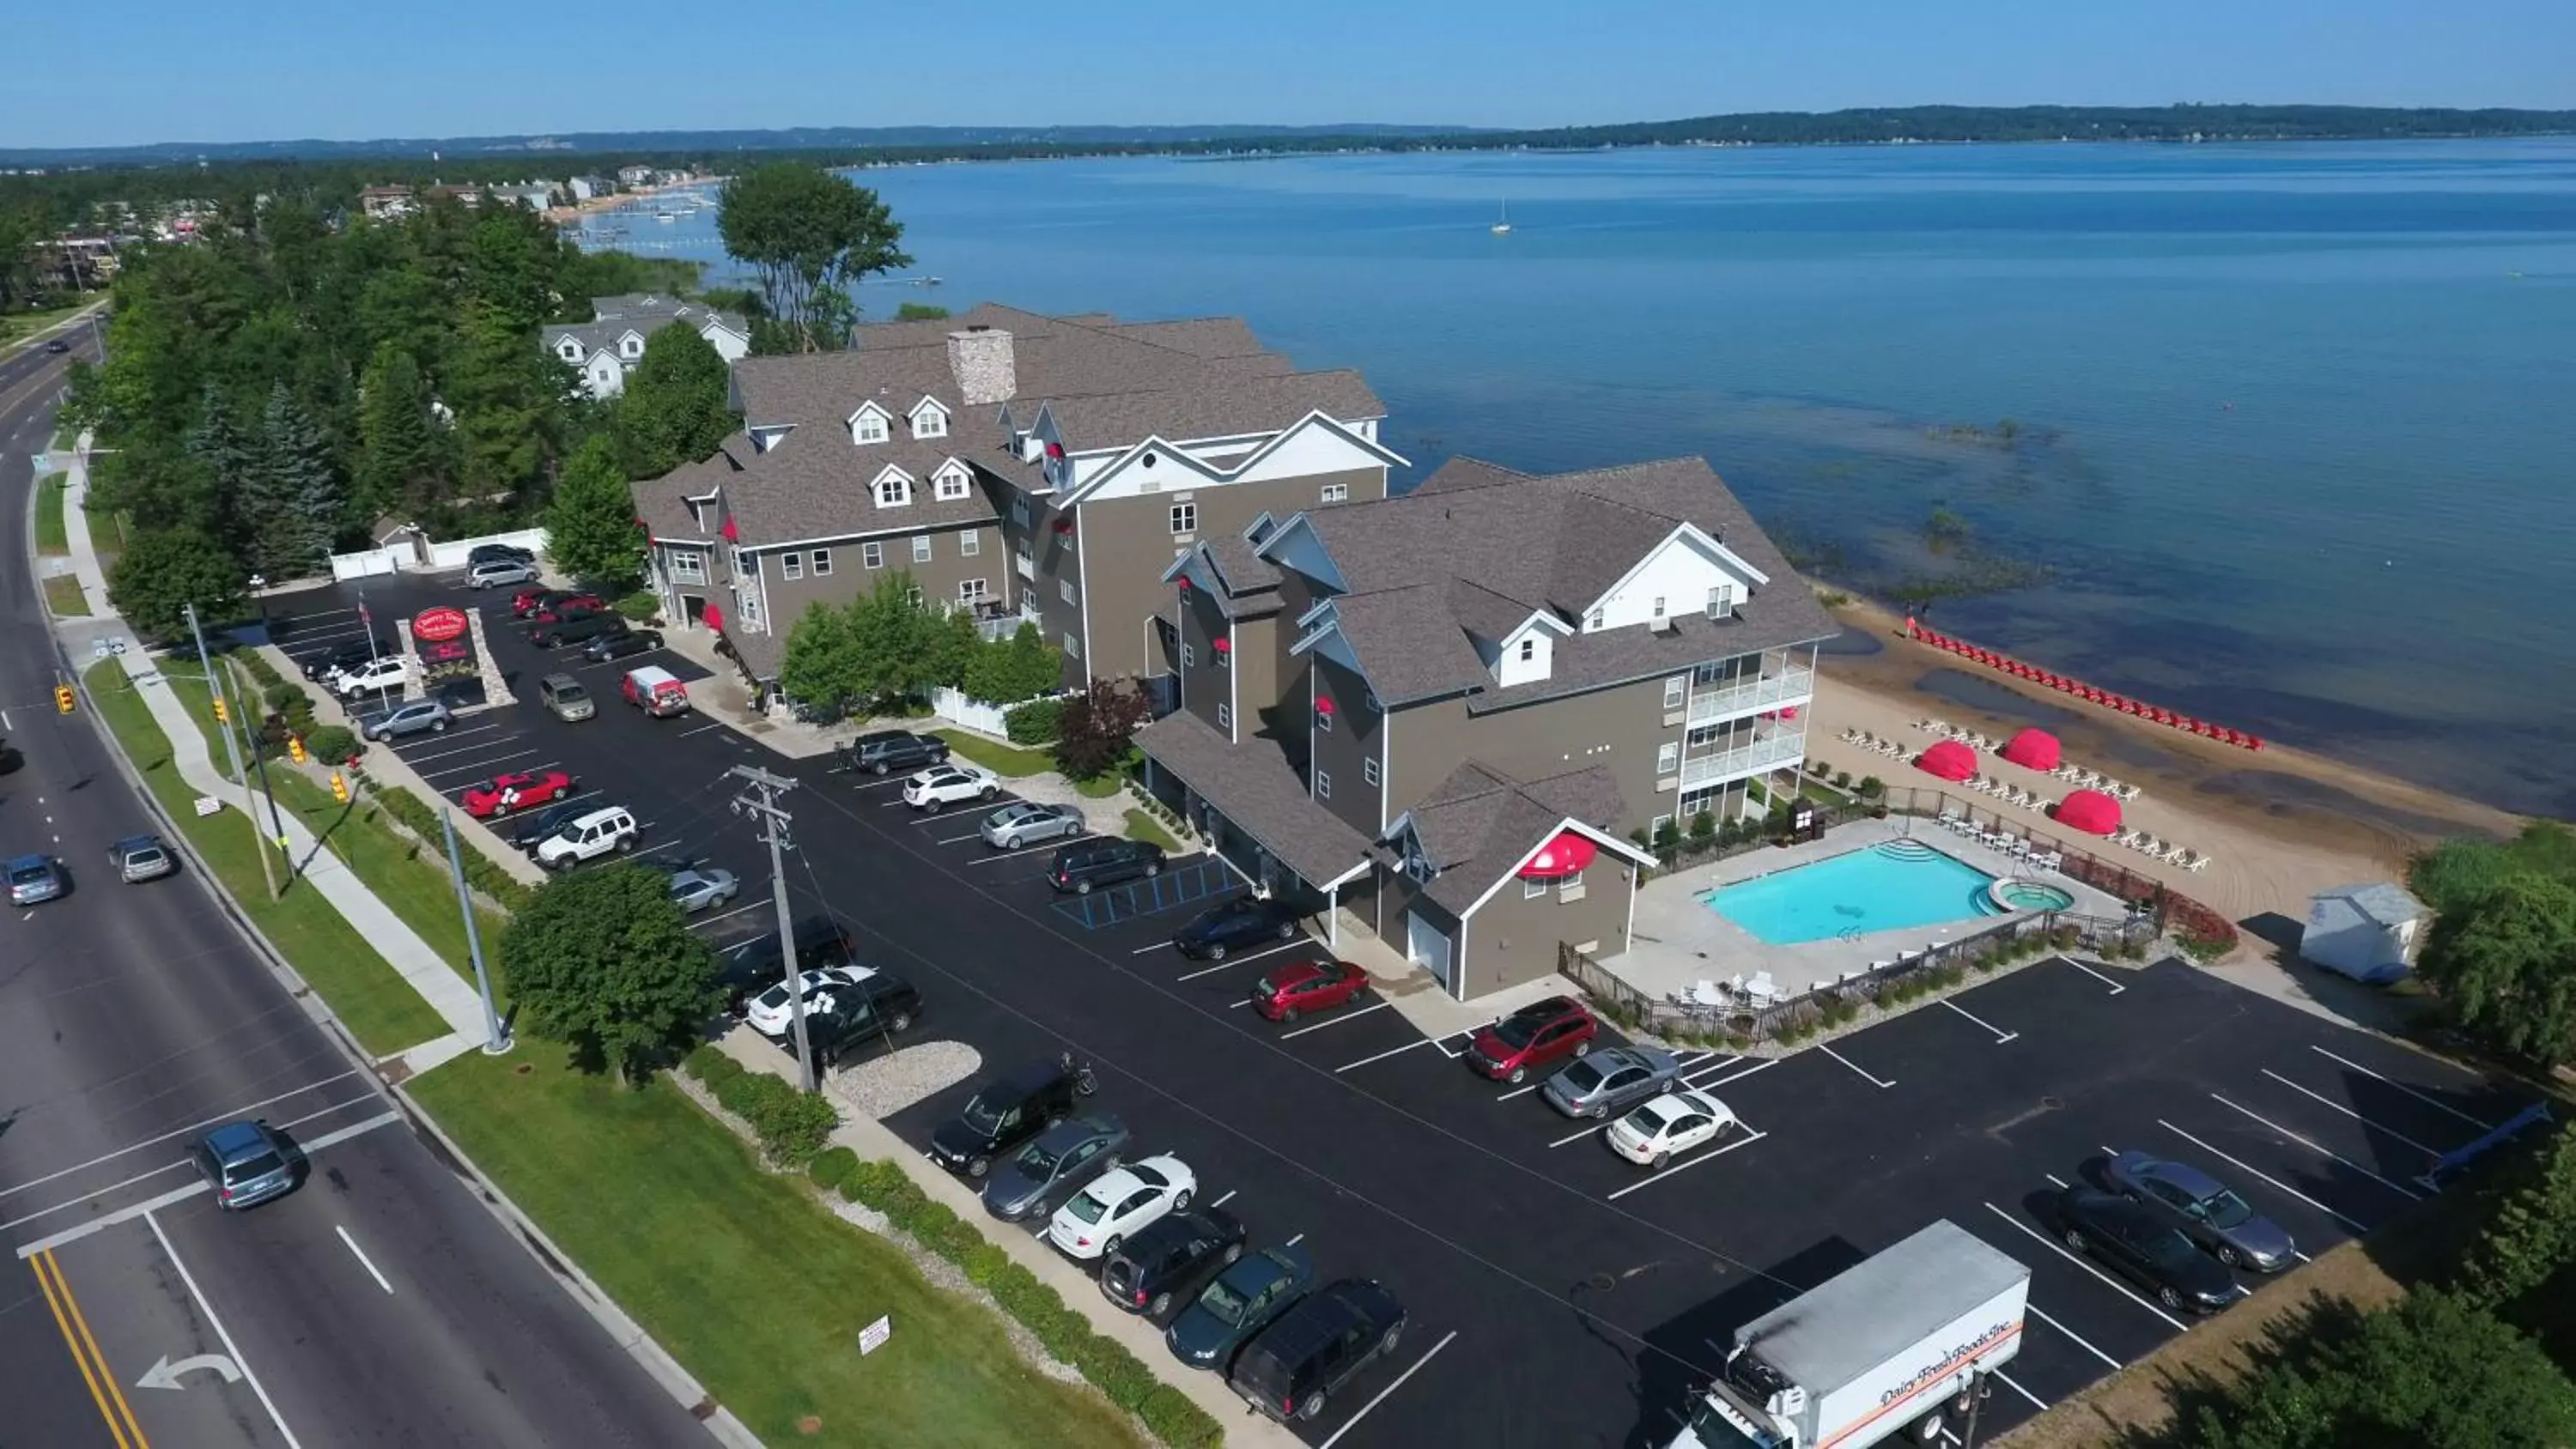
(451, 737)
(2321, 1150)
(1521, 1091)
(1149, 950)
(2334, 1106)
(1354, 1421)
(728, 915)
(1292, 1242)
(241, 1111)
(122, 1215)
(959, 839)
(1864, 1076)
(2061, 1182)
(2001, 1036)
(1023, 850)
(2261, 1176)
(1678, 1168)
(2036, 1401)
(1764, 1065)
(361, 1256)
(231, 1350)
(890, 804)
(1336, 1021)
(1230, 962)
(2116, 989)
(2078, 1339)
(2107, 1280)
(477, 767)
(702, 729)
(1382, 1056)
(1229, 1197)
(1595, 1130)
(1710, 1068)
(2409, 1091)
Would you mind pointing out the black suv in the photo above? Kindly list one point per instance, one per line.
(1006, 1111)
(535, 830)
(1316, 1347)
(751, 964)
(576, 629)
(883, 752)
(1170, 1260)
(1238, 923)
(874, 1012)
(1091, 864)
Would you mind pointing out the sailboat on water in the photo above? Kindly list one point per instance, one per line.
(1503, 227)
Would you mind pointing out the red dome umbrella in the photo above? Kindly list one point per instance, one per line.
(2032, 750)
(1948, 760)
(2090, 811)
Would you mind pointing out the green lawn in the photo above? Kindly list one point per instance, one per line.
(411, 879)
(50, 538)
(1101, 787)
(1141, 826)
(1000, 759)
(16, 327)
(379, 1008)
(63, 595)
(756, 1289)
(64, 437)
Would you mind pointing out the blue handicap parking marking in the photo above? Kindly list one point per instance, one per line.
(1179, 886)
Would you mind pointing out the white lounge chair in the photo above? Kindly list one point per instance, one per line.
(2128, 792)
(2047, 859)
(2198, 865)
(1950, 818)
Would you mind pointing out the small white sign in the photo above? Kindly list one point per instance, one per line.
(873, 1337)
(209, 805)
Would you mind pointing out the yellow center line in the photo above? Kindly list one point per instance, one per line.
(103, 1387)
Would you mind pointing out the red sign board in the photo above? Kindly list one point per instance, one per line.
(438, 625)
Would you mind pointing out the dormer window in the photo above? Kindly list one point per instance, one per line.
(633, 346)
(868, 427)
(1529, 650)
(1721, 599)
(1592, 622)
(929, 420)
(950, 483)
(894, 490)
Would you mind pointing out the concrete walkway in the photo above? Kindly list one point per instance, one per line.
(403, 949)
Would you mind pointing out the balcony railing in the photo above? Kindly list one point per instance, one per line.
(1743, 760)
(1789, 686)
(1026, 565)
(995, 621)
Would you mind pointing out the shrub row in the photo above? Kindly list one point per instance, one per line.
(793, 1127)
(260, 669)
(333, 745)
(1034, 723)
(480, 872)
(641, 606)
(1063, 1332)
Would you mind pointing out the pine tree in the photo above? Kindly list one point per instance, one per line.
(226, 456)
(293, 502)
(402, 453)
(590, 521)
(508, 404)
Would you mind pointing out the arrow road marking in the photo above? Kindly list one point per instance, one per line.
(166, 1375)
(231, 1351)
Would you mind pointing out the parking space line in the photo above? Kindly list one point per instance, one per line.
(1292, 1242)
(1521, 1091)
(452, 736)
(477, 767)
(2036, 1401)
(1016, 854)
(1148, 950)
(2001, 1036)
(1846, 1061)
(2108, 1281)
(947, 813)
(1336, 1021)
(2334, 1106)
(1578, 1135)
(1711, 1067)
(1231, 962)
(961, 839)
(1757, 1068)
(2072, 1336)
(728, 915)
(2261, 1176)
(1229, 1197)
(1354, 1421)
(1678, 1168)
(2321, 1151)
(2116, 989)
(1382, 1056)
(2482, 1126)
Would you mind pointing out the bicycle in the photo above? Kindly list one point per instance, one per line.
(1084, 1083)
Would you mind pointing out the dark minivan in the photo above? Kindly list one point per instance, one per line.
(1087, 866)
(1006, 1111)
(883, 752)
(1170, 1259)
(1316, 1347)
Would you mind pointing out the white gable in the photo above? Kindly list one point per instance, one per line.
(891, 488)
(929, 419)
(1295, 546)
(952, 480)
(1675, 578)
(1316, 444)
(870, 423)
(1327, 641)
(1526, 654)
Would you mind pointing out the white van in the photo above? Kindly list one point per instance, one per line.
(588, 838)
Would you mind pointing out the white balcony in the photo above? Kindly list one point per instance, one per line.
(1026, 565)
(1771, 691)
(1735, 764)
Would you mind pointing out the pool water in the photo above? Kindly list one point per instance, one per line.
(1887, 887)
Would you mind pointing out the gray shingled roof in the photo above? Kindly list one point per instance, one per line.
(663, 502)
(1542, 543)
(1254, 786)
(614, 317)
(1240, 569)
(1479, 822)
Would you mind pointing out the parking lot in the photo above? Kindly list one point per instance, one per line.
(1558, 1295)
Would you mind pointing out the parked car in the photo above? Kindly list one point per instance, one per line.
(489, 553)
(1021, 824)
(561, 607)
(621, 644)
(1036, 1180)
(1005, 1112)
(35, 879)
(856, 1018)
(1285, 993)
(770, 1012)
(882, 752)
(703, 888)
(1537, 1036)
(588, 837)
(751, 959)
(421, 715)
(1667, 1126)
(2208, 1211)
(491, 799)
(140, 858)
(246, 1163)
(1316, 1347)
(1243, 921)
(572, 629)
(502, 573)
(1170, 1261)
(1600, 1083)
(566, 699)
(527, 603)
(382, 674)
(319, 665)
(56, 347)
(2141, 1244)
(537, 829)
(1122, 1201)
(1089, 865)
(1240, 1303)
(941, 786)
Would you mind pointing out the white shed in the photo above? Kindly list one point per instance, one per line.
(2366, 932)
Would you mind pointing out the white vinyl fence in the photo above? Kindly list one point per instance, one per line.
(403, 557)
(453, 555)
(372, 563)
(953, 706)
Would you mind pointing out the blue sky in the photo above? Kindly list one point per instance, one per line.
(179, 70)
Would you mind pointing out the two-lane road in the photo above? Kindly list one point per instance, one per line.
(380, 1303)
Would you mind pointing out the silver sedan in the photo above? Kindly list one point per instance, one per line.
(1604, 1082)
(1023, 824)
(703, 887)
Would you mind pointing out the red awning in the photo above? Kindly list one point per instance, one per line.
(714, 617)
(731, 533)
(2032, 750)
(1949, 760)
(1568, 853)
(2090, 811)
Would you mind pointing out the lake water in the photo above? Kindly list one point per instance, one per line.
(2298, 423)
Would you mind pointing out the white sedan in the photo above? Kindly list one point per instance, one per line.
(1119, 1202)
(1673, 1123)
(769, 1012)
(949, 784)
(373, 677)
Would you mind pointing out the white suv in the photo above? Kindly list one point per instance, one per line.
(588, 838)
(949, 784)
(373, 677)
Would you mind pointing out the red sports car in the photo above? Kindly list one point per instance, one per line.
(1288, 992)
(502, 794)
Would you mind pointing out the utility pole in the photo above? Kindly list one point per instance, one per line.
(496, 1039)
(259, 762)
(232, 749)
(760, 799)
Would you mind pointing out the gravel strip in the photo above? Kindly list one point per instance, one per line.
(883, 1086)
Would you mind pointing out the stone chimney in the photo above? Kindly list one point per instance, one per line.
(981, 358)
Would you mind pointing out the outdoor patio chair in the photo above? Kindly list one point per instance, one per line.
(2047, 859)
(2198, 865)
(2128, 792)
(1760, 991)
(1950, 818)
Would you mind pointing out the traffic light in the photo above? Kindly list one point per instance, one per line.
(64, 699)
(295, 749)
(222, 715)
(339, 788)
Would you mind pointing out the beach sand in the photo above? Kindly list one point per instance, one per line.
(2278, 824)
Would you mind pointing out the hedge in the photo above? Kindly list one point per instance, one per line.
(332, 745)
(259, 667)
(792, 1126)
(830, 1166)
(481, 873)
(1037, 722)
(640, 606)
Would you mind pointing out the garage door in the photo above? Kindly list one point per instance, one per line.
(1426, 945)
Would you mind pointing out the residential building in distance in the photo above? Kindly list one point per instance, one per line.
(631, 177)
(1445, 712)
(610, 345)
(386, 203)
(586, 188)
(1030, 468)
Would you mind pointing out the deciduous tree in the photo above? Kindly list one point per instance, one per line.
(603, 961)
(2429, 1373)
(820, 668)
(891, 635)
(1098, 728)
(590, 521)
(2505, 964)
(808, 235)
(1008, 671)
(675, 408)
(162, 570)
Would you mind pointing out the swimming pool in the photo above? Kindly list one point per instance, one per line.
(1885, 887)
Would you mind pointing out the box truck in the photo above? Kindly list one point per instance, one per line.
(1896, 1345)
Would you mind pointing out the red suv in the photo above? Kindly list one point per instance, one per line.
(568, 608)
(1285, 993)
(1535, 1037)
(502, 794)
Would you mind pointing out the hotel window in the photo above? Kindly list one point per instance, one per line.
(1668, 758)
(822, 561)
(921, 548)
(1064, 589)
(972, 591)
(689, 567)
(969, 544)
(872, 555)
(1337, 493)
(895, 491)
(750, 599)
(1368, 769)
(1717, 601)
(1529, 650)
(1709, 673)
(1225, 655)
(1020, 512)
(1673, 688)
(869, 428)
(1323, 786)
(1185, 518)
(952, 486)
(1592, 622)
(1190, 657)
(633, 348)
(930, 423)
(792, 565)
(1225, 717)
(1072, 647)
(1706, 735)
(1659, 606)
(1323, 717)
(1532, 887)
